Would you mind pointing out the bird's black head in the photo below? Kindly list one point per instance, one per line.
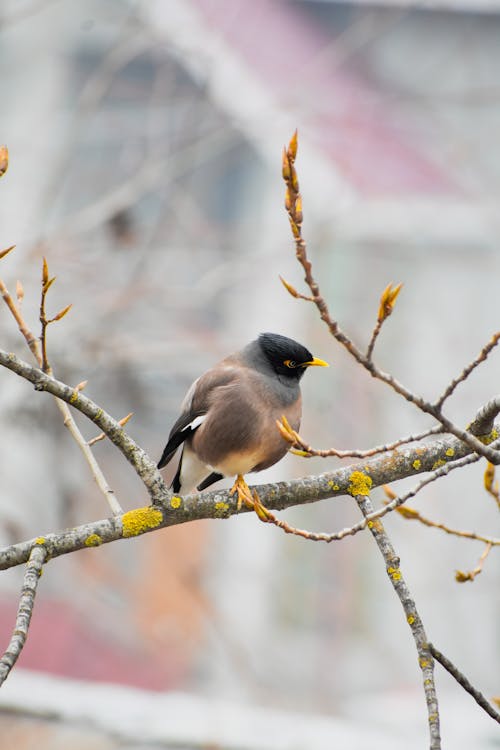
(288, 358)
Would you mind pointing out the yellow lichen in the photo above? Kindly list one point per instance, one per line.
(438, 463)
(221, 509)
(450, 452)
(417, 464)
(175, 501)
(74, 396)
(360, 484)
(332, 485)
(489, 438)
(40, 540)
(395, 573)
(424, 663)
(140, 520)
(410, 619)
(93, 540)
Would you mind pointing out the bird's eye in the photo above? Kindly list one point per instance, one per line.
(290, 363)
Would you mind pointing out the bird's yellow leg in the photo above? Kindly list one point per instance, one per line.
(250, 499)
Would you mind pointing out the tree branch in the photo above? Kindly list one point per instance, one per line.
(293, 205)
(39, 351)
(392, 564)
(37, 557)
(464, 682)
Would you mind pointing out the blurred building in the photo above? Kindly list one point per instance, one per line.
(145, 142)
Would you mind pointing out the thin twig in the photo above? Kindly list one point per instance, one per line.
(123, 421)
(464, 682)
(25, 609)
(412, 514)
(46, 284)
(374, 337)
(483, 354)
(307, 451)
(40, 355)
(31, 340)
(462, 577)
(387, 302)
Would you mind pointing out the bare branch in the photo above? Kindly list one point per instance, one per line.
(307, 451)
(143, 465)
(464, 682)
(37, 557)
(293, 205)
(30, 339)
(412, 514)
(483, 354)
(40, 355)
(462, 577)
(392, 563)
(123, 421)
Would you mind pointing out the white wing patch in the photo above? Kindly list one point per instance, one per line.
(196, 422)
(193, 471)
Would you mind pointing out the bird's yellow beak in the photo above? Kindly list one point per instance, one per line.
(316, 363)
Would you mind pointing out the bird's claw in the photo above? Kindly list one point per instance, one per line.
(249, 498)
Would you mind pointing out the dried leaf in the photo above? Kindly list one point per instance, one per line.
(4, 160)
(3, 253)
(61, 313)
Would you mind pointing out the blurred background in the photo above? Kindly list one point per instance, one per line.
(145, 147)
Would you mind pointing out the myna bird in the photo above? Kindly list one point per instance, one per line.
(227, 425)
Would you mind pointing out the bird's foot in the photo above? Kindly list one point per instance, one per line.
(249, 498)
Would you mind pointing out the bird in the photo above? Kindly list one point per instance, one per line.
(227, 425)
